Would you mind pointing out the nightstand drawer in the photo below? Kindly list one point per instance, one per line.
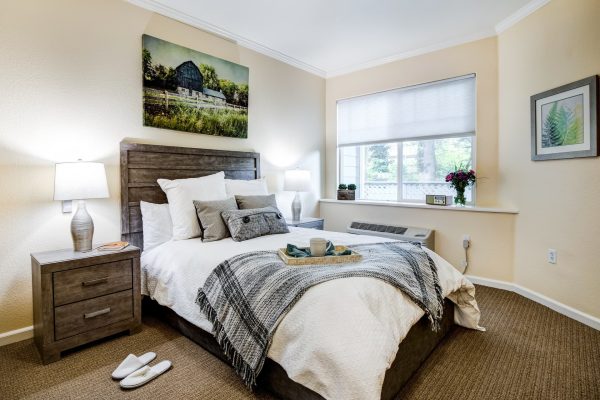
(76, 318)
(88, 282)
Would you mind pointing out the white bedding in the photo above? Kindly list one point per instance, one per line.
(340, 337)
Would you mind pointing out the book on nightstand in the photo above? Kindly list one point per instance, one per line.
(113, 246)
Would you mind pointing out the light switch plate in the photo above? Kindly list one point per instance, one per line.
(67, 206)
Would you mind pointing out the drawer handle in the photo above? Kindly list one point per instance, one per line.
(96, 313)
(95, 281)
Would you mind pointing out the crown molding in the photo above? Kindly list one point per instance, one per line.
(411, 53)
(521, 13)
(155, 6)
(503, 25)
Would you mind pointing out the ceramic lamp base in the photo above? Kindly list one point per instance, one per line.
(296, 208)
(82, 228)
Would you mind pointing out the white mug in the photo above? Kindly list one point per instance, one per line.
(318, 247)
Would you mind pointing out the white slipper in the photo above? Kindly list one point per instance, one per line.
(145, 375)
(131, 364)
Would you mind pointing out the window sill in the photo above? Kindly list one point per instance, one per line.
(497, 210)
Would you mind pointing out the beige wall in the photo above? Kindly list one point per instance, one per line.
(558, 200)
(480, 57)
(491, 234)
(71, 88)
(491, 254)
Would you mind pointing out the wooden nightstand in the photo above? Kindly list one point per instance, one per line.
(82, 297)
(314, 223)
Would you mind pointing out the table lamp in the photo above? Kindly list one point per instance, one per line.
(297, 180)
(80, 181)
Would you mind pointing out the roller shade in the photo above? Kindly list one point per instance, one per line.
(442, 108)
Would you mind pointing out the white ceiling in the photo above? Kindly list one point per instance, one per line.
(331, 37)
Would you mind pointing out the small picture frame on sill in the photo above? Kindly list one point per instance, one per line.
(564, 121)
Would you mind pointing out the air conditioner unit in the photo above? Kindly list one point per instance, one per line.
(407, 233)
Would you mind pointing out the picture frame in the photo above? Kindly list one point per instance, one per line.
(190, 91)
(564, 121)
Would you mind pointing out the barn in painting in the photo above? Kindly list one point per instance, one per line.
(189, 76)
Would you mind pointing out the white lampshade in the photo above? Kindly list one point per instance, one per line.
(297, 180)
(79, 181)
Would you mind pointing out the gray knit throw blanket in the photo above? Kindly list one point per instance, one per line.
(246, 296)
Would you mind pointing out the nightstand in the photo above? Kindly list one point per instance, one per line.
(81, 297)
(314, 223)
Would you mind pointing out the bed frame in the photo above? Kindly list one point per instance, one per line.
(142, 164)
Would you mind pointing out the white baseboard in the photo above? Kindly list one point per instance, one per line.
(16, 336)
(560, 308)
(494, 283)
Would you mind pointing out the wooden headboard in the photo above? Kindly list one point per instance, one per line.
(143, 164)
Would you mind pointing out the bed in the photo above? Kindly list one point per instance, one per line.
(296, 367)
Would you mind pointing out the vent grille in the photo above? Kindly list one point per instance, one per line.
(399, 230)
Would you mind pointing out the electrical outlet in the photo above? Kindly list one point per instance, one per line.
(466, 241)
(552, 256)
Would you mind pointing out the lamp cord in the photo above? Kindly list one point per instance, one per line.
(466, 245)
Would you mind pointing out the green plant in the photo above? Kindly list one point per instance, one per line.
(211, 79)
(352, 186)
(220, 122)
(342, 186)
(562, 126)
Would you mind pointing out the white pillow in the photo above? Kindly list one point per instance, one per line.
(240, 187)
(182, 192)
(157, 225)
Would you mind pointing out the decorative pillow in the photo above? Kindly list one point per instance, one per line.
(248, 224)
(248, 202)
(157, 225)
(243, 187)
(182, 192)
(209, 213)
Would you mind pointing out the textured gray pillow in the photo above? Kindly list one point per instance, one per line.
(249, 202)
(209, 214)
(248, 224)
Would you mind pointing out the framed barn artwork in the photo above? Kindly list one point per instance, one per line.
(186, 90)
(564, 121)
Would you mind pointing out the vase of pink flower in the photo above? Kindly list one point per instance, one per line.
(460, 179)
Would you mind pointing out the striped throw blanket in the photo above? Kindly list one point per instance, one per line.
(246, 296)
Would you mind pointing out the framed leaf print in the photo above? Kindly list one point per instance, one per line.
(564, 121)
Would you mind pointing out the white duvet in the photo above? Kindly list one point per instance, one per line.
(340, 337)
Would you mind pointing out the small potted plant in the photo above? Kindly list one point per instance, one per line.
(460, 179)
(346, 192)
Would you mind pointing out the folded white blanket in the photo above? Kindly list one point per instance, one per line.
(340, 355)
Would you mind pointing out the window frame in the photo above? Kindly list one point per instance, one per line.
(399, 180)
(361, 150)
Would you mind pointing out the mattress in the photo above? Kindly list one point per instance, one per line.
(339, 338)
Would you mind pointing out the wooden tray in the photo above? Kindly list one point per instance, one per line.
(351, 258)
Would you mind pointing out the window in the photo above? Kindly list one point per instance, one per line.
(399, 145)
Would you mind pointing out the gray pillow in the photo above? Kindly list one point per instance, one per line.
(248, 224)
(248, 202)
(209, 214)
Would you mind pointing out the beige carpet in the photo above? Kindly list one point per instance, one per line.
(528, 352)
